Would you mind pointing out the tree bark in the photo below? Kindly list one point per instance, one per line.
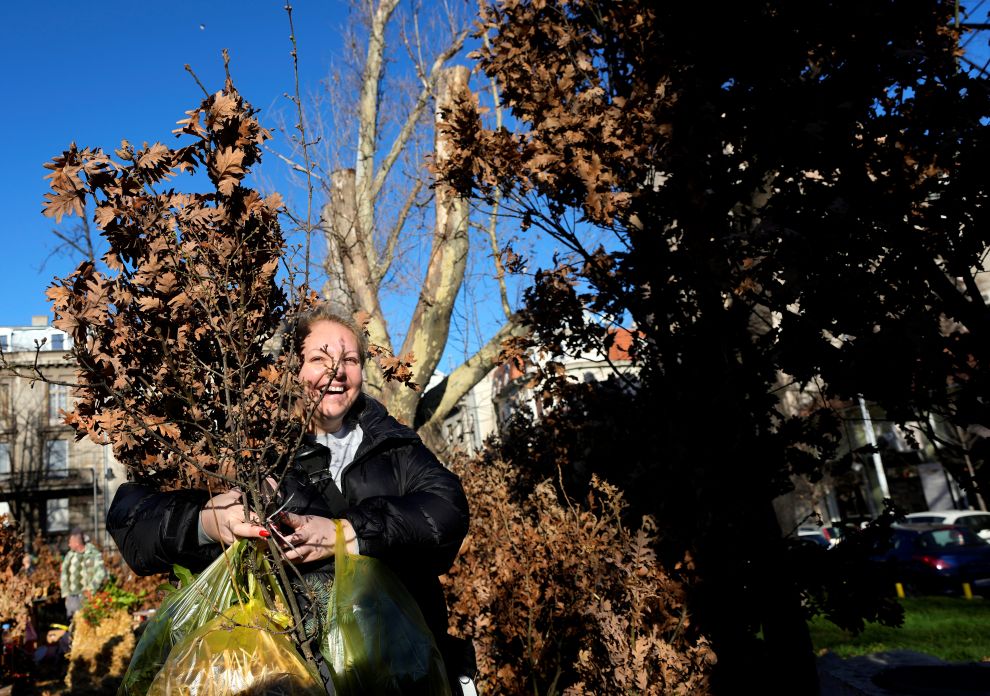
(351, 240)
(430, 323)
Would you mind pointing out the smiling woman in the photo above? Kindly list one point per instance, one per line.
(356, 464)
(332, 355)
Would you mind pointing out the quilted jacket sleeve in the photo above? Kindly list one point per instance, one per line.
(424, 525)
(156, 529)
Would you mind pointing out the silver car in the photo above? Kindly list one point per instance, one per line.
(976, 520)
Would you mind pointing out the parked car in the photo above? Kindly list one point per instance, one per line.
(977, 520)
(937, 558)
(815, 536)
(824, 536)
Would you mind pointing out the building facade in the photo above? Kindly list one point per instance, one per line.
(485, 409)
(49, 481)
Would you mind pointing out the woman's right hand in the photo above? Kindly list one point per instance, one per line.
(222, 519)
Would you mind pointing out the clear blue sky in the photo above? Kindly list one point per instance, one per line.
(96, 72)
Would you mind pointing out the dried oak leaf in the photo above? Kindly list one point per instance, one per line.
(64, 203)
(154, 162)
(227, 169)
(398, 368)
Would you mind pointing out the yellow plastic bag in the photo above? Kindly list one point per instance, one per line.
(200, 600)
(247, 650)
(377, 642)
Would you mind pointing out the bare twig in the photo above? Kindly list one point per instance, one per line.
(196, 77)
(381, 269)
(301, 127)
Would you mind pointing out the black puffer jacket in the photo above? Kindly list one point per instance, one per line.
(406, 508)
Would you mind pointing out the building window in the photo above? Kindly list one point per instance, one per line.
(57, 458)
(4, 459)
(58, 401)
(58, 342)
(57, 515)
(4, 342)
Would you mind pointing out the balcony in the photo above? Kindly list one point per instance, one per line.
(39, 484)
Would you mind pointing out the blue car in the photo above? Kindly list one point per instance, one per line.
(938, 559)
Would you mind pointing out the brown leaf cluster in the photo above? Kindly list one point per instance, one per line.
(19, 589)
(395, 368)
(587, 137)
(171, 341)
(559, 596)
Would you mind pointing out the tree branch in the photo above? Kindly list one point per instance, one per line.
(382, 267)
(429, 85)
(295, 166)
(438, 402)
(493, 217)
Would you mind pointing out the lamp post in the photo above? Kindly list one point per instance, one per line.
(871, 438)
(96, 527)
(107, 477)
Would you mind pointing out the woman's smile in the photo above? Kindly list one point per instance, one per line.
(331, 368)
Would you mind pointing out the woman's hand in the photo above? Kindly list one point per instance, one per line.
(314, 538)
(222, 519)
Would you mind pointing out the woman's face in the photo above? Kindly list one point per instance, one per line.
(331, 367)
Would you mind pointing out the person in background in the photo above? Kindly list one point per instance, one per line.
(82, 571)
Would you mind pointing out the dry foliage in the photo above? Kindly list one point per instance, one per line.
(100, 654)
(746, 242)
(20, 589)
(560, 597)
(588, 130)
(171, 342)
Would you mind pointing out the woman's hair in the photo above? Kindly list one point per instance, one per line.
(323, 312)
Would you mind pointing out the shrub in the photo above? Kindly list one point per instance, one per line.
(562, 597)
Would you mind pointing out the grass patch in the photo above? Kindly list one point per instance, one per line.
(949, 628)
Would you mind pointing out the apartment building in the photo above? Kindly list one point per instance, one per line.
(505, 389)
(49, 481)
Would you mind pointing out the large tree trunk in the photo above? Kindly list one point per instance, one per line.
(359, 255)
(430, 323)
(350, 240)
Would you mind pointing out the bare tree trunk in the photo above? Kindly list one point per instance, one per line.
(359, 255)
(430, 323)
(350, 240)
(338, 216)
(368, 104)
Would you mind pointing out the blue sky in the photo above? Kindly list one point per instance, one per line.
(96, 72)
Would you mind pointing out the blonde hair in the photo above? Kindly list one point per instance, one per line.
(323, 312)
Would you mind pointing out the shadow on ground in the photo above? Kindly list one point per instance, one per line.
(901, 673)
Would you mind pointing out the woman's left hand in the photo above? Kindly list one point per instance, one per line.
(314, 538)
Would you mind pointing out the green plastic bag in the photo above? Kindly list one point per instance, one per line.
(245, 650)
(377, 642)
(182, 612)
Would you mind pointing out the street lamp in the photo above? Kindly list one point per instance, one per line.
(107, 478)
(96, 528)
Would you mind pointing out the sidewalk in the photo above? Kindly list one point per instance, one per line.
(901, 673)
